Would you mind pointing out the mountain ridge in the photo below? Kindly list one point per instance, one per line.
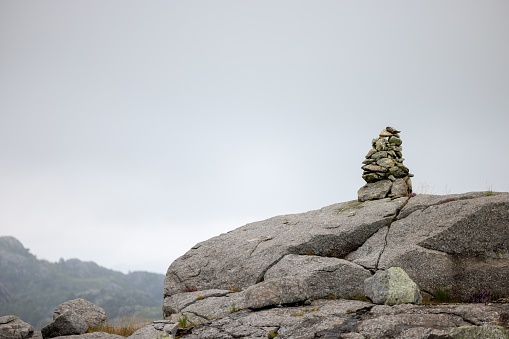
(31, 288)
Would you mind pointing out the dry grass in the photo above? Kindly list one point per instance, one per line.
(124, 327)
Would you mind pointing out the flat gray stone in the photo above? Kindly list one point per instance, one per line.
(375, 190)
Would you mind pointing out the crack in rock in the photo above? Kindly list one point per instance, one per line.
(261, 277)
(395, 218)
(258, 244)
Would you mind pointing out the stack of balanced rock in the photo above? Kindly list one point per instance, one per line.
(384, 172)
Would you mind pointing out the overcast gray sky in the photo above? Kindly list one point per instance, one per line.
(131, 130)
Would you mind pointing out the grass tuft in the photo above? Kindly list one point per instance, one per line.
(443, 296)
(183, 321)
(234, 309)
(124, 327)
(272, 335)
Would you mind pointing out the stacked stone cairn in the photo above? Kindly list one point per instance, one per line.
(384, 172)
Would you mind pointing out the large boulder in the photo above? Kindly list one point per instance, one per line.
(12, 327)
(241, 258)
(93, 314)
(234, 284)
(67, 323)
(455, 243)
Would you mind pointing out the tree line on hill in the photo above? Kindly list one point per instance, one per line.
(31, 288)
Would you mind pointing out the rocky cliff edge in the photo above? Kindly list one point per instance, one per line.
(454, 247)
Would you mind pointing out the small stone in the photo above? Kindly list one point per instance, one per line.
(379, 155)
(368, 161)
(385, 133)
(370, 153)
(397, 172)
(391, 130)
(371, 177)
(403, 167)
(386, 162)
(381, 145)
(395, 141)
(375, 190)
(374, 168)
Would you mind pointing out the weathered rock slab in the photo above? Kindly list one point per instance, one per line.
(324, 277)
(294, 279)
(356, 319)
(476, 332)
(240, 258)
(458, 244)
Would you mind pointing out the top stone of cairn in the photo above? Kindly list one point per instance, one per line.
(384, 172)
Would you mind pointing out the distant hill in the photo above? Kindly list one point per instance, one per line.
(32, 288)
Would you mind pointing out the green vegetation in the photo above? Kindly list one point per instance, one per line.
(489, 191)
(124, 327)
(31, 288)
(272, 335)
(164, 336)
(442, 296)
(183, 321)
(234, 309)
